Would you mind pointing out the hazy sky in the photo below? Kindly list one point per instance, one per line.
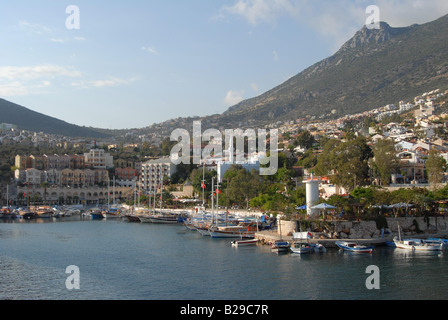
(128, 64)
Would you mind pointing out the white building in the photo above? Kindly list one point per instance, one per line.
(99, 159)
(154, 171)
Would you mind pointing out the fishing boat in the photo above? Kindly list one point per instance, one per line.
(247, 242)
(354, 247)
(417, 245)
(280, 246)
(444, 242)
(96, 214)
(301, 248)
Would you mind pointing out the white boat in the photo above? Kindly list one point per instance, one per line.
(301, 248)
(417, 245)
(303, 237)
(354, 247)
(248, 242)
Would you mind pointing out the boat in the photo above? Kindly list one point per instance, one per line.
(29, 215)
(280, 246)
(164, 218)
(231, 232)
(96, 214)
(354, 247)
(444, 242)
(7, 213)
(417, 245)
(247, 242)
(301, 248)
(132, 218)
(303, 237)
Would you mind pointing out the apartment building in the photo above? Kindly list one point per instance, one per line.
(98, 158)
(154, 172)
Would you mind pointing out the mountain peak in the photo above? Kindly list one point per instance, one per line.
(374, 35)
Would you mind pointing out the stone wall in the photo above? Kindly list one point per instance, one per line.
(409, 226)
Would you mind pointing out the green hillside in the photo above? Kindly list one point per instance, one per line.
(27, 119)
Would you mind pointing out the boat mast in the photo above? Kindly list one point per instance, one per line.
(213, 202)
(161, 195)
(217, 203)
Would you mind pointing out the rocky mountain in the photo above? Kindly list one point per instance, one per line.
(374, 68)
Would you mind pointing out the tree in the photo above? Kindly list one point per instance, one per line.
(385, 161)
(435, 167)
(346, 161)
(305, 139)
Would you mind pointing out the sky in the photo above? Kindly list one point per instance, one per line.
(128, 64)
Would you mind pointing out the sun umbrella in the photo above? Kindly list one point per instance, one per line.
(301, 207)
(323, 206)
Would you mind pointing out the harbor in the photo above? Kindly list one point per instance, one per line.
(121, 260)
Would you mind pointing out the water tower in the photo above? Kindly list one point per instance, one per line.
(312, 194)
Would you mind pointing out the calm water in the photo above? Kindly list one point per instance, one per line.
(127, 261)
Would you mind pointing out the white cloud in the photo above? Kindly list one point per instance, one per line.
(233, 97)
(150, 50)
(13, 89)
(36, 72)
(33, 28)
(80, 39)
(110, 82)
(20, 81)
(257, 11)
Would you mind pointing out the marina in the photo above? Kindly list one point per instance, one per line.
(122, 259)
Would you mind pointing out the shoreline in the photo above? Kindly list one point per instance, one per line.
(267, 237)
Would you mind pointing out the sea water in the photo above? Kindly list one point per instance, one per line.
(119, 260)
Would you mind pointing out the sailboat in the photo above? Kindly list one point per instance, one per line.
(415, 244)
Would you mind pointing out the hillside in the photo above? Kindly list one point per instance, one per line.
(27, 119)
(374, 68)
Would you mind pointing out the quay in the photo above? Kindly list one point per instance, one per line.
(268, 237)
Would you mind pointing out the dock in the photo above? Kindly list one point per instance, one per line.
(268, 237)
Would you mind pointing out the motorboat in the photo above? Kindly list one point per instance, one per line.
(354, 247)
(246, 242)
(301, 248)
(280, 246)
(417, 245)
